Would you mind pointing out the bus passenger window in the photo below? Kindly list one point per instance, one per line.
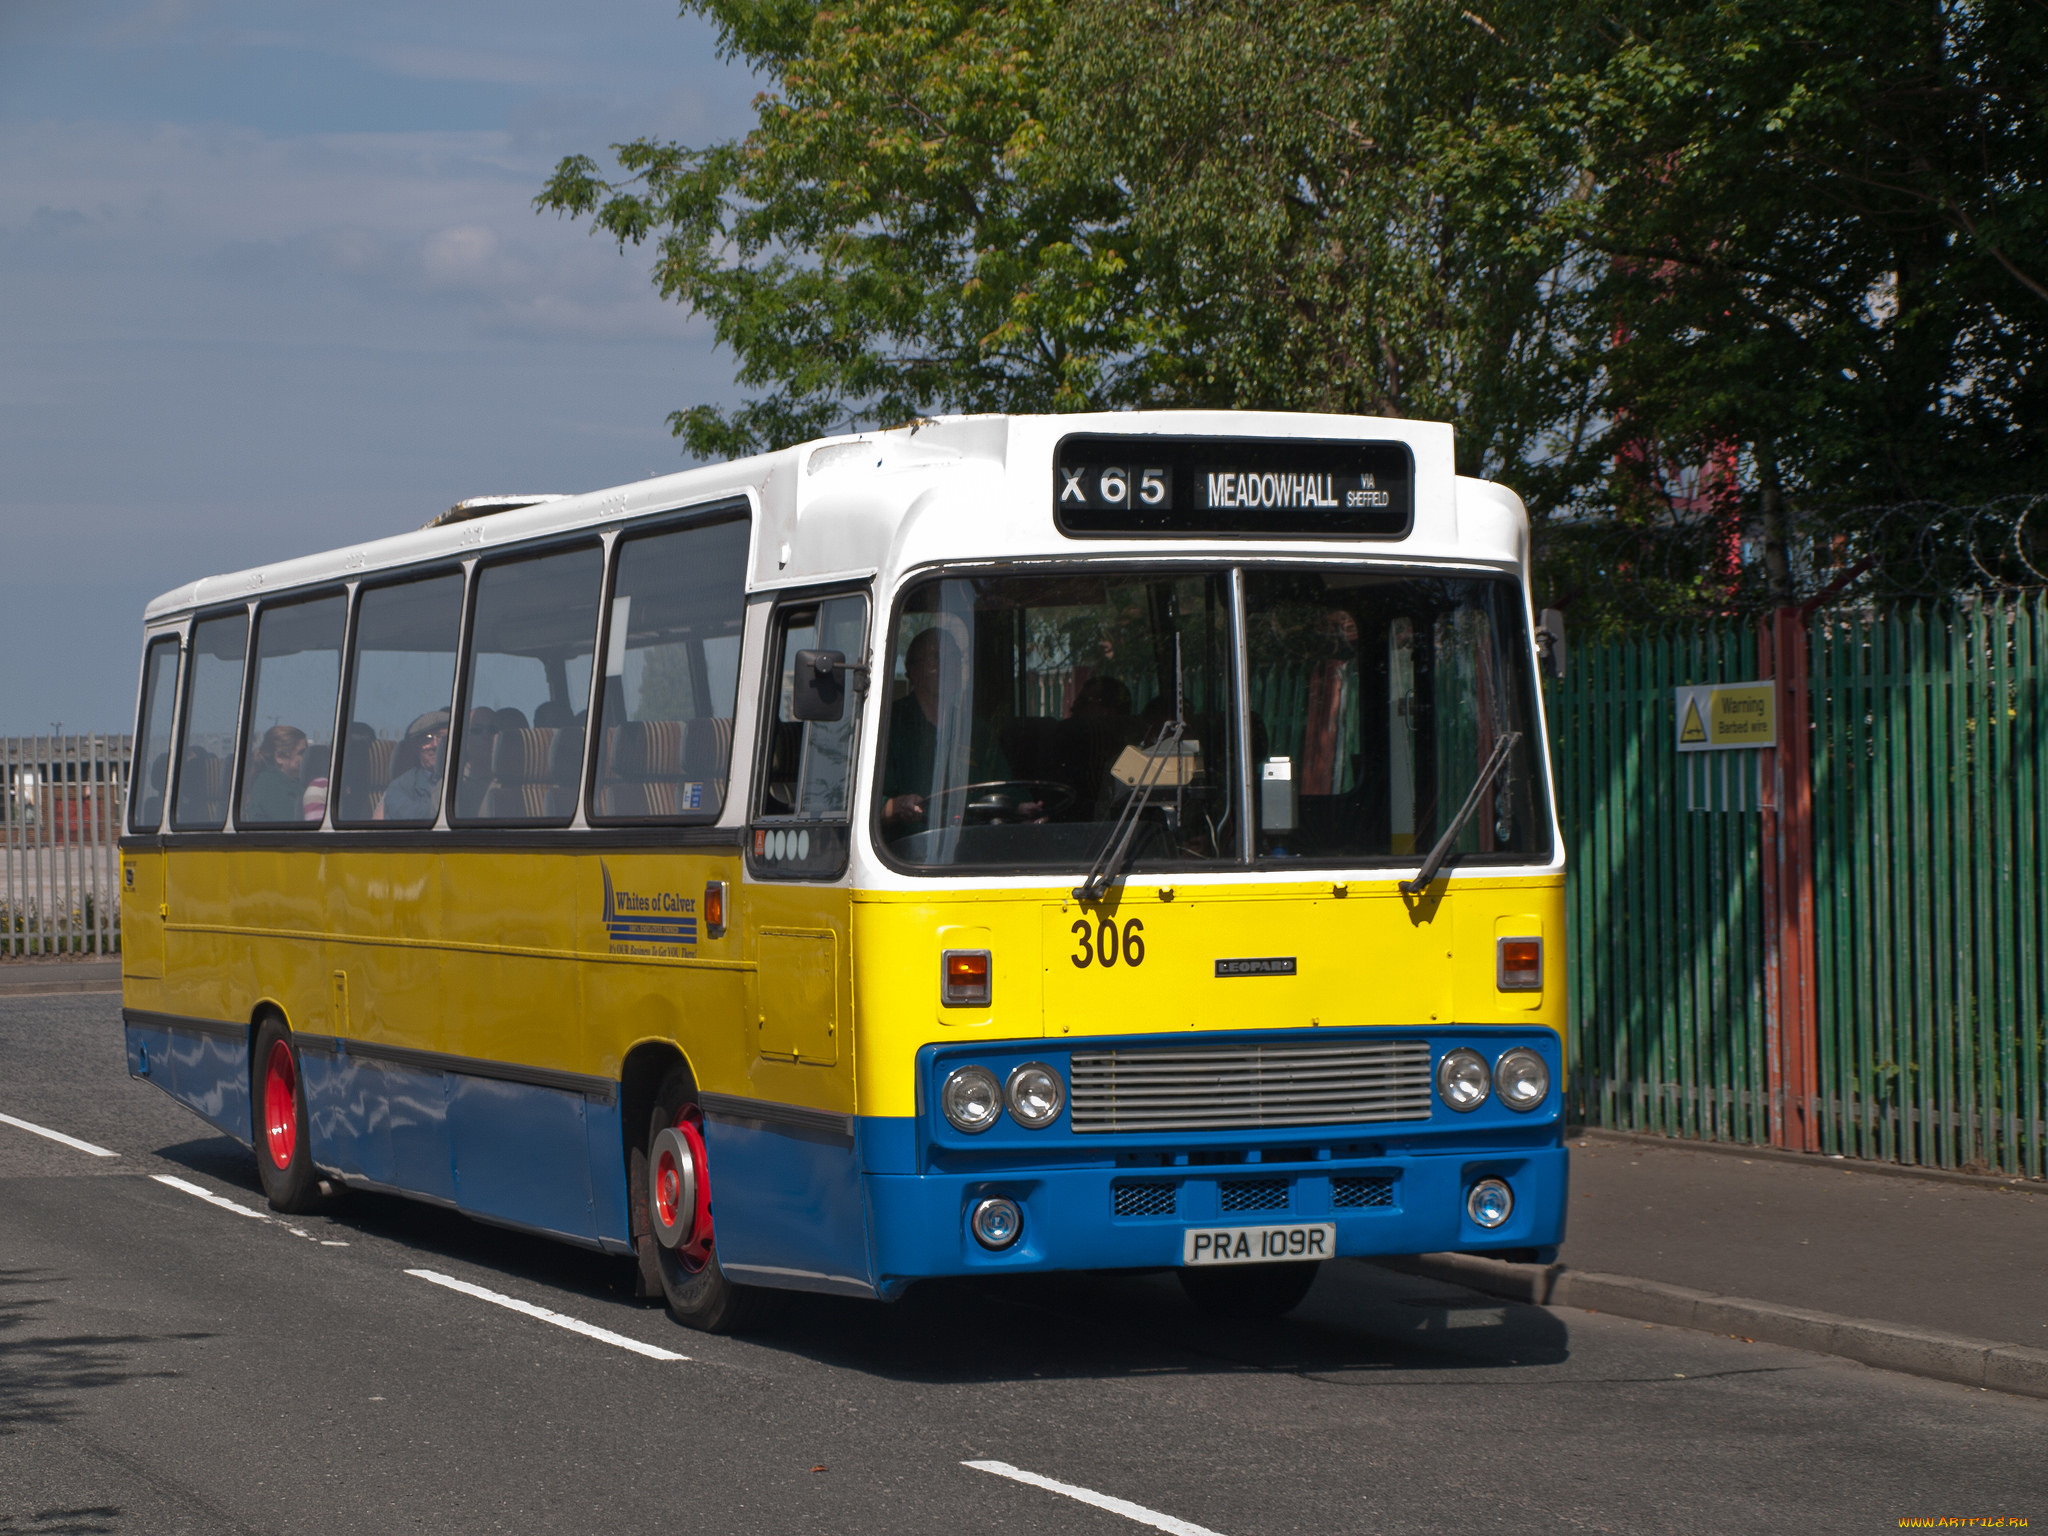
(527, 693)
(394, 754)
(213, 698)
(290, 732)
(671, 675)
(152, 770)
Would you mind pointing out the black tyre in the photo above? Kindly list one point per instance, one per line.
(284, 1149)
(1249, 1290)
(672, 1218)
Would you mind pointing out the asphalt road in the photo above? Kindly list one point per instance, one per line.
(168, 1365)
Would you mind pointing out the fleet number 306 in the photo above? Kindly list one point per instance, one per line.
(1103, 943)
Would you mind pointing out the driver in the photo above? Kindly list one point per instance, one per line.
(933, 665)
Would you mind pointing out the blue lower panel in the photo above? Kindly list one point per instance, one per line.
(1070, 1220)
(380, 1123)
(786, 1204)
(522, 1154)
(208, 1074)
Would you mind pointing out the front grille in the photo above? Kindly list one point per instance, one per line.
(1208, 1088)
(1144, 1199)
(1254, 1195)
(1350, 1193)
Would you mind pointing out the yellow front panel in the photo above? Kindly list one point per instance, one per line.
(1369, 957)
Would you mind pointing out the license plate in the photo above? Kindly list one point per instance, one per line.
(1259, 1245)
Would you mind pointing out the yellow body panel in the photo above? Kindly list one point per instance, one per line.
(816, 996)
(1363, 958)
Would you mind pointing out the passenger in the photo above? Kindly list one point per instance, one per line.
(933, 665)
(313, 802)
(415, 795)
(273, 795)
(554, 715)
(1101, 697)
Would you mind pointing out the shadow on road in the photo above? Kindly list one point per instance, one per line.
(41, 1376)
(1359, 1318)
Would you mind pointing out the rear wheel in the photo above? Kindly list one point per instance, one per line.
(1249, 1290)
(672, 1218)
(284, 1153)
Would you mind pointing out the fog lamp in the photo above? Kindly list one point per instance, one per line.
(996, 1222)
(1462, 1080)
(1490, 1203)
(1522, 1078)
(972, 1100)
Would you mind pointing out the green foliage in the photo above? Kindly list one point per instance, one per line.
(1679, 272)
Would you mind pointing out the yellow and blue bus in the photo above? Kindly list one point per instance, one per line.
(995, 845)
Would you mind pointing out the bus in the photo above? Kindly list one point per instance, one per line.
(995, 845)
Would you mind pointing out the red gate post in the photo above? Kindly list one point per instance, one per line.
(1791, 1020)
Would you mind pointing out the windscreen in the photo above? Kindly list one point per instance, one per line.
(1377, 700)
(1027, 714)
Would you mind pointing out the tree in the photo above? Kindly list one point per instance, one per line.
(886, 243)
(1677, 271)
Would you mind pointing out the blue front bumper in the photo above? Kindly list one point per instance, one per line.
(1125, 1202)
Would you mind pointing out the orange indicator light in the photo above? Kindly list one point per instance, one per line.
(965, 978)
(1521, 965)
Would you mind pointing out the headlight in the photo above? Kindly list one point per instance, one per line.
(971, 1099)
(1035, 1095)
(1462, 1080)
(1523, 1079)
(996, 1222)
(1490, 1203)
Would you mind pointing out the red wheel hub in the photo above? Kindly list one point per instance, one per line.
(281, 1104)
(695, 1249)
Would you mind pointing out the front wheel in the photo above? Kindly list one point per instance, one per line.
(1249, 1290)
(673, 1225)
(284, 1152)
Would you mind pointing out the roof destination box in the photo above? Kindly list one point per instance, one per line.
(1225, 487)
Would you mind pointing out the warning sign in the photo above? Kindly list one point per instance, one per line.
(1717, 717)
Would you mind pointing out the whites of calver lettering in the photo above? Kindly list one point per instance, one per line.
(69, 1141)
(186, 1187)
(1115, 1506)
(528, 1309)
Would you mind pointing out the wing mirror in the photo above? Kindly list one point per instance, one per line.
(818, 690)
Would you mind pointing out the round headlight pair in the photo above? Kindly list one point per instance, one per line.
(1463, 1080)
(972, 1101)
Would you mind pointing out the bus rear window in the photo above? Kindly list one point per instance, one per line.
(153, 736)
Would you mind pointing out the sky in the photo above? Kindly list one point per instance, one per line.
(271, 281)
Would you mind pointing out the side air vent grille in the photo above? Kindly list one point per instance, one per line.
(1205, 1088)
(1145, 1199)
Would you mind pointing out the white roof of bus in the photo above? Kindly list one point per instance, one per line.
(959, 487)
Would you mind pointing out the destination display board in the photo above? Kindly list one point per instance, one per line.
(1232, 487)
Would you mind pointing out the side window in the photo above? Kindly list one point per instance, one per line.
(289, 736)
(806, 782)
(401, 688)
(213, 697)
(526, 696)
(151, 773)
(671, 674)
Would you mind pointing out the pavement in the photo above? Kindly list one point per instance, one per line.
(42, 978)
(1938, 1275)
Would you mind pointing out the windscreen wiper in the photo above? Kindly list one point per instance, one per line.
(1110, 862)
(1442, 850)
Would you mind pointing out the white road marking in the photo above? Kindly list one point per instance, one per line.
(573, 1324)
(69, 1141)
(208, 1196)
(1116, 1506)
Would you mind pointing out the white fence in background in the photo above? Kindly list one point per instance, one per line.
(61, 803)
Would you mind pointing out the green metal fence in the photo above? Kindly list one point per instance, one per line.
(1929, 901)
(1928, 889)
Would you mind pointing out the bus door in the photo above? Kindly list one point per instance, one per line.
(784, 1160)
